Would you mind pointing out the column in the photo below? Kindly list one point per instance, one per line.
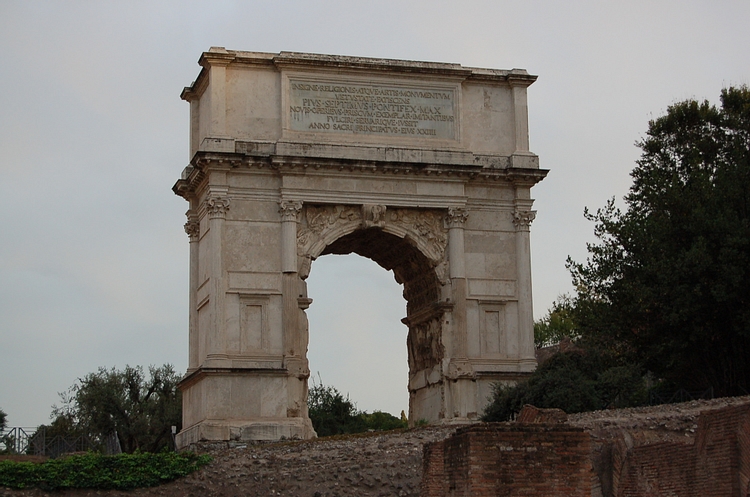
(192, 228)
(522, 220)
(294, 360)
(289, 210)
(455, 220)
(217, 206)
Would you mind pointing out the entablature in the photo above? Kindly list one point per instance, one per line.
(195, 173)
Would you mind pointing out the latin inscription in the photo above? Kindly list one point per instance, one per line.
(372, 109)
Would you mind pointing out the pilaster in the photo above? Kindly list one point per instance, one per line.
(520, 114)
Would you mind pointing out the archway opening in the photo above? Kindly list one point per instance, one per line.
(420, 288)
(357, 340)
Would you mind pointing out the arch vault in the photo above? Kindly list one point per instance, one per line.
(422, 167)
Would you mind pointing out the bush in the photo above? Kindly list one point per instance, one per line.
(120, 472)
(574, 381)
(331, 413)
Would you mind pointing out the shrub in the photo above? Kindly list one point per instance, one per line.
(120, 472)
(574, 381)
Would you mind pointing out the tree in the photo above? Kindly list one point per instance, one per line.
(668, 281)
(333, 414)
(140, 409)
(557, 324)
(3, 420)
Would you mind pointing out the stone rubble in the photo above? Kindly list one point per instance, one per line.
(380, 464)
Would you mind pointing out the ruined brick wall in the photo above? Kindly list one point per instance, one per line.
(509, 459)
(433, 474)
(716, 464)
(539, 458)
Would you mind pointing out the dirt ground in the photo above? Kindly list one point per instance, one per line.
(378, 464)
(370, 464)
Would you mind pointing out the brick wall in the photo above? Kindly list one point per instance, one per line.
(505, 459)
(716, 464)
(433, 474)
(551, 459)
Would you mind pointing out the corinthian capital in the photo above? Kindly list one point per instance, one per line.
(456, 217)
(289, 209)
(192, 228)
(522, 219)
(217, 207)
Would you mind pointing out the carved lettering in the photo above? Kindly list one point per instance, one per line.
(358, 108)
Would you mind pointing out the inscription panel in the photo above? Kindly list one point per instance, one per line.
(372, 109)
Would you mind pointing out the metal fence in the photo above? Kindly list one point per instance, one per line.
(32, 441)
(15, 440)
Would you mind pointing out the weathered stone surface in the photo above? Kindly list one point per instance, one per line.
(531, 414)
(424, 168)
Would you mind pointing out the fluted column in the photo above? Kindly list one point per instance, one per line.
(522, 220)
(192, 228)
(216, 208)
(289, 210)
(456, 258)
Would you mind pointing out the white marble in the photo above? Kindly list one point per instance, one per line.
(423, 167)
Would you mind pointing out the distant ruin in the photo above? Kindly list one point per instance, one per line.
(423, 167)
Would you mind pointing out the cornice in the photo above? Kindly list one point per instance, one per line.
(195, 173)
(323, 62)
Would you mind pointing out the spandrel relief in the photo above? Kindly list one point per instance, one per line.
(320, 221)
(427, 225)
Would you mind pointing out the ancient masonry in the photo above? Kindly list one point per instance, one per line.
(422, 167)
(541, 455)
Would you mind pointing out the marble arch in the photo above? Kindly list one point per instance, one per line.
(422, 167)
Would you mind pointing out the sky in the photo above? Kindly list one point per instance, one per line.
(93, 134)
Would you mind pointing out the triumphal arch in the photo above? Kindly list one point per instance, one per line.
(422, 167)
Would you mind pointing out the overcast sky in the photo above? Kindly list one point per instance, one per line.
(93, 256)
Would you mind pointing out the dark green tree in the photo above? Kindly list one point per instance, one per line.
(141, 409)
(3, 420)
(668, 282)
(331, 413)
(576, 380)
(557, 324)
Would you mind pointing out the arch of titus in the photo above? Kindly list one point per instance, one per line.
(422, 167)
